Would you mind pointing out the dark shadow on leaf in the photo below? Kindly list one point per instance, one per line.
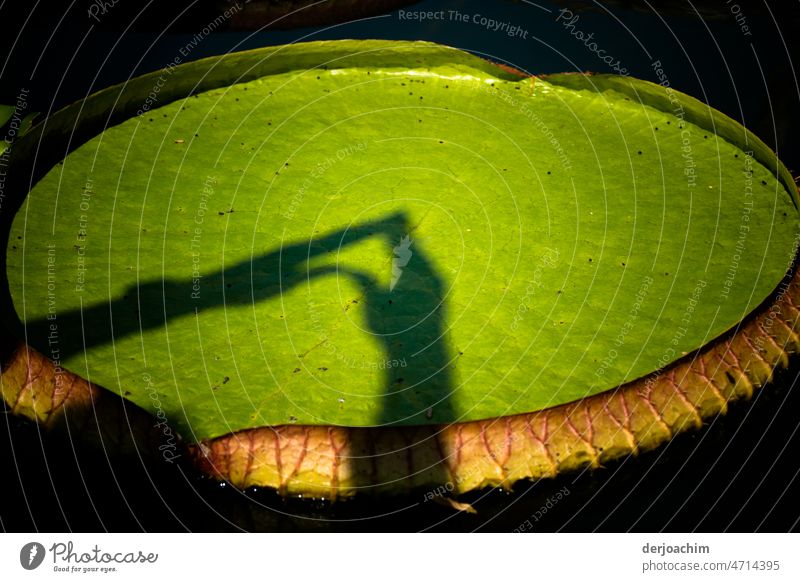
(408, 319)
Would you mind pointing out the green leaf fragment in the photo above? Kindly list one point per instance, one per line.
(6, 112)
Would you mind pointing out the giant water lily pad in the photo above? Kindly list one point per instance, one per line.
(361, 234)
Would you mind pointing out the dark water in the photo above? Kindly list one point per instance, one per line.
(738, 473)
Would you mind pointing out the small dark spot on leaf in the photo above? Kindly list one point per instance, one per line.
(226, 380)
(296, 370)
(640, 152)
(323, 369)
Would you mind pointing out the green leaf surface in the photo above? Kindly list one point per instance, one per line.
(6, 112)
(405, 235)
